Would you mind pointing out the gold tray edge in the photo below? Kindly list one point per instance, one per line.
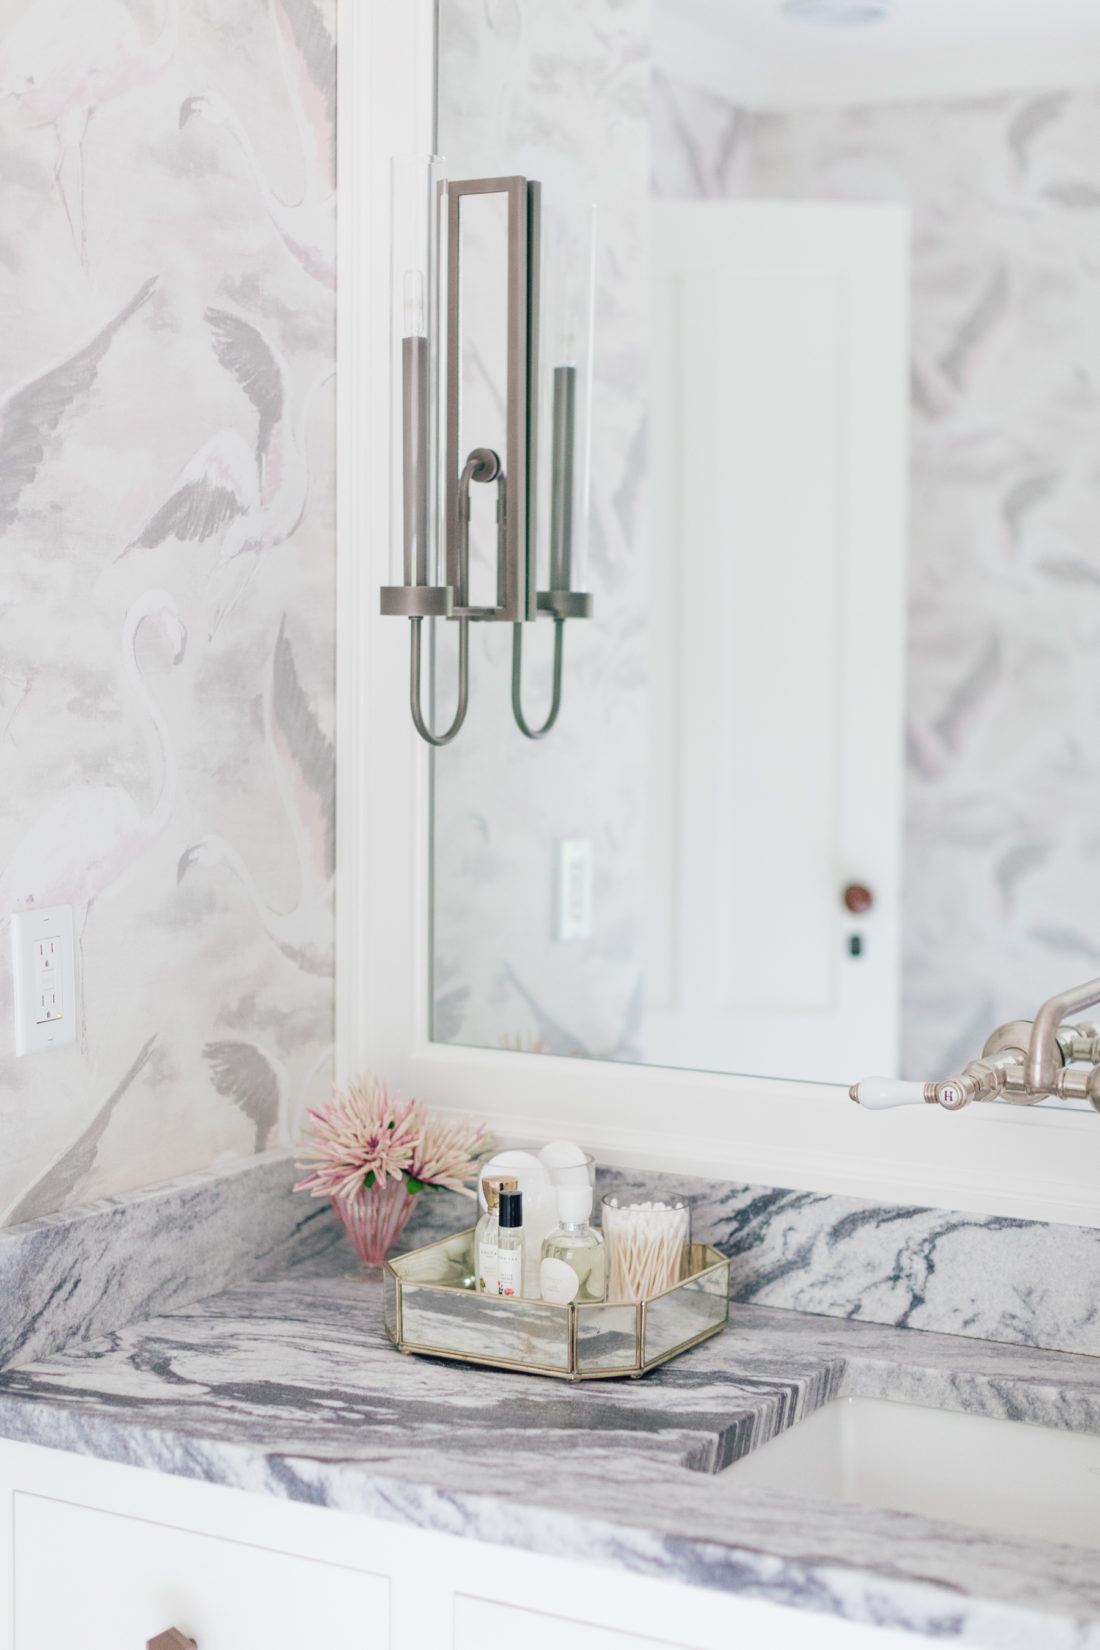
(715, 1261)
(558, 1374)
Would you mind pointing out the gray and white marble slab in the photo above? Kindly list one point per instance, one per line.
(86, 1271)
(288, 1387)
(76, 1275)
(990, 1276)
(993, 1277)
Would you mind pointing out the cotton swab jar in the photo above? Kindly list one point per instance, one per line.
(648, 1245)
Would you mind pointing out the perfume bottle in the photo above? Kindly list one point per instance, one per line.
(510, 1244)
(485, 1236)
(574, 1259)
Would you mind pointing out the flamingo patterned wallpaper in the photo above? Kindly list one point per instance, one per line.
(166, 594)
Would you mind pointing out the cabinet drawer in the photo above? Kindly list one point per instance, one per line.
(481, 1623)
(96, 1580)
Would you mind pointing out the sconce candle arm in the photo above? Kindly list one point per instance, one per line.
(438, 739)
(517, 681)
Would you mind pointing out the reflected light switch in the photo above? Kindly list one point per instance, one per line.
(573, 915)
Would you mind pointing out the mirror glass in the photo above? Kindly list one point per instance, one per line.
(823, 796)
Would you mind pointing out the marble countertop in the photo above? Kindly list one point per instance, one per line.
(289, 1387)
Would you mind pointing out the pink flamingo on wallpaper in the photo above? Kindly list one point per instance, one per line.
(259, 1085)
(30, 415)
(254, 497)
(93, 833)
(307, 55)
(62, 1183)
(305, 773)
(61, 62)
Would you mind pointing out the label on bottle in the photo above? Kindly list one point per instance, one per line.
(558, 1281)
(510, 1271)
(488, 1268)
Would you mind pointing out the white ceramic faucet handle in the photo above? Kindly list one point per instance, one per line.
(882, 1093)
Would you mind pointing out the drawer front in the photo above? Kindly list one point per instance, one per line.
(92, 1580)
(480, 1624)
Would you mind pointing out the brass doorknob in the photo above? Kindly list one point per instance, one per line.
(858, 898)
(173, 1639)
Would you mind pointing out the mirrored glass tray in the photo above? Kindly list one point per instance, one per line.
(433, 1307)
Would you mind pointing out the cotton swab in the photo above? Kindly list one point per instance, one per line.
(646, 1246)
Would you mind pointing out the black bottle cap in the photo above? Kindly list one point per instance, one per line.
(511, 1209)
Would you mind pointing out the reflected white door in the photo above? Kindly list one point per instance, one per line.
(778, 472)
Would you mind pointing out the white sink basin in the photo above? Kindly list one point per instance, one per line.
(1007, 1476)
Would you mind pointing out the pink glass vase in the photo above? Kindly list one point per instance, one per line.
(375, 1218)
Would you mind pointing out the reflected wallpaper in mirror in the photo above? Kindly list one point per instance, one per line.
(772, 523)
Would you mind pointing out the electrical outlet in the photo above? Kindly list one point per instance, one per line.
(44, 968)
(573, 918)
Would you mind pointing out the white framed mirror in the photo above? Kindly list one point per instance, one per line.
(778, 1127)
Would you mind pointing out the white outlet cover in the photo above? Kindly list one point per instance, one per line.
(34, 1033)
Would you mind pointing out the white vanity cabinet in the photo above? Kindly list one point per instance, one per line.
(95, 1556)
(102, 1580)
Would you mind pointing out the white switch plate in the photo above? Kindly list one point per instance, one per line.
(573, 918)
(44, 969)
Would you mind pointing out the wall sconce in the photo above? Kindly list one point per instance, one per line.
(435, 224)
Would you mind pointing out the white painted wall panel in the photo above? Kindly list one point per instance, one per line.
(779, 477)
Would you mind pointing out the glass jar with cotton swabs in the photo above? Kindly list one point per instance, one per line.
(648, 1245)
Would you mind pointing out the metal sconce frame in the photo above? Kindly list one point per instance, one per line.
(518, 600)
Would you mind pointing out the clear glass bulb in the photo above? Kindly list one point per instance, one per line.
(415, 312)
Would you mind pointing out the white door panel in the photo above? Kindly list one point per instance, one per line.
(779, 485)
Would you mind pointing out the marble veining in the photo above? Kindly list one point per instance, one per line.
(83, 1273)
(985, 1276)
(288, 1387)
(988, 1276)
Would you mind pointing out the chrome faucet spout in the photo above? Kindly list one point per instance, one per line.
(1022, 1061)
(1044, 1057)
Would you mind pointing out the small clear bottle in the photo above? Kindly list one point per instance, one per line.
(510, 1244)
(486, 1236)
(574, 1259)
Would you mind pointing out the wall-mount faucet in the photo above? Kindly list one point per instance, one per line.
(1022, 1062)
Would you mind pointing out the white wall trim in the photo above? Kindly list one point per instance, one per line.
(993, 1159)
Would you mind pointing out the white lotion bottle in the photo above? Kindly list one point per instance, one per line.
(510, 1244)
(574, 1259)
(486, 1236)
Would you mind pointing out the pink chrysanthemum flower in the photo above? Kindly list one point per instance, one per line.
(445, 1151)
(361, 1139)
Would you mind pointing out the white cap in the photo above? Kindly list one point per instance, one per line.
(562, 1154)
(574, 1204)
